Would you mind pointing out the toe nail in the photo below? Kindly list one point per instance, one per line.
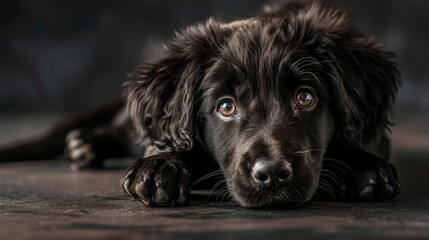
(367, 193)
(161, 196)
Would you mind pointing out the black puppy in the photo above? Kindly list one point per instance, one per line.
(284, 103)
(287, 106)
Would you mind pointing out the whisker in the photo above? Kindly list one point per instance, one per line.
(330, 173)
(226, 194)
(230, 202)
(332, 178)
(329, 187)
(310, 150)
(323, 190)
(337, 161)
(214, 188)
(209, 175)
(325, 166)
(331, 191)
(326, 190)
(220, 191)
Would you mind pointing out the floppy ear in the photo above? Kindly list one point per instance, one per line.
(162, 97)
(361, 75)
(365, 83)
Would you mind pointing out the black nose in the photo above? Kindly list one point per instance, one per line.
(271, 173)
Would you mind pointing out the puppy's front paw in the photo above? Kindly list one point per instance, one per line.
(160, 180)
(371, 179)
(80, 151)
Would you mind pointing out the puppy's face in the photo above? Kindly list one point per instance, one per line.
(267, 119)
(266, 96)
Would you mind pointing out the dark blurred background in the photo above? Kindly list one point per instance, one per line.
(62, 56)
(58, 57)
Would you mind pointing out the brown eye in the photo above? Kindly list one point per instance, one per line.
(227, 108)
(304, 99)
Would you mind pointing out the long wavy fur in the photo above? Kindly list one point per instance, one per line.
(163, 98)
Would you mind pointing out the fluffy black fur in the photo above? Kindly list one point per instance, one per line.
(336, 149)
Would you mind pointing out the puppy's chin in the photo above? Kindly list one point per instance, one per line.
(292, 196)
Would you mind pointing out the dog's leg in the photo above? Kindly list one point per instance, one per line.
(50, 143)
(165, 179)
(356, 175)
(89, 148)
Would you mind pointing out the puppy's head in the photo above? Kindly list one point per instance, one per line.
(266, 96)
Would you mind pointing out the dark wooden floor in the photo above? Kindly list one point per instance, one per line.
(45, 200)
